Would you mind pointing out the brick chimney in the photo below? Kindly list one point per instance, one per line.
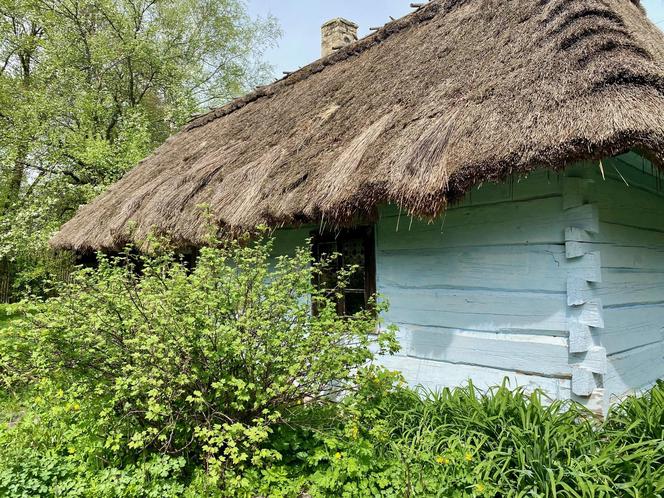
(336, 34)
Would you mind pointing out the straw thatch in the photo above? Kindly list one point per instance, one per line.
(459, 92)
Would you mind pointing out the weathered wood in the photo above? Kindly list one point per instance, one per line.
(575, 191)
(578, 291)
(625, 256)
(589, 313)
(631, 327)
(594, 360)
(436, 375)
(580, 338)
(529, 222)
(521, 267)
(583, 381)
(478, 310)
(634, 369)
(525, 353)
(611, 233)
(621, 288)
(578, 235)
(584, 217)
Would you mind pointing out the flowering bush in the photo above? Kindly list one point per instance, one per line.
(202, 363)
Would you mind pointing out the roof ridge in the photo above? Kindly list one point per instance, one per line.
(423, 13)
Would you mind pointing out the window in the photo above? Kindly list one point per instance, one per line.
(356, 248)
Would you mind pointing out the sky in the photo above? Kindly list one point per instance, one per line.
(301, 20)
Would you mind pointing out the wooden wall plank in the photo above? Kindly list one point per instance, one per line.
(633, 370)
(436, 375)
(525, 353)
(530, 222)
(631, 327)
(477, 310)
(629, 287)
(524, 267)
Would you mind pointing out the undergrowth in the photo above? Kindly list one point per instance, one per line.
(383, 441)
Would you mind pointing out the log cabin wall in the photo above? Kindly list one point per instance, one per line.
(555, 281)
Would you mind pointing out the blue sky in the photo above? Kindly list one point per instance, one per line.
(301, 20)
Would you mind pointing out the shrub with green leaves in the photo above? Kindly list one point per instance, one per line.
(202, 363)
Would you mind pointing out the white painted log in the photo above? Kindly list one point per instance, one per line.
(574, 191)
(575, 250)
(510, 267)
(437, 375)
(590, 313)
(530, 222)
(578, 291)
(583, 381)
(584, 217)
(580, 338)
(527, 353)
(594, 360)
(631, 327)
(491, 311)
(573, 234)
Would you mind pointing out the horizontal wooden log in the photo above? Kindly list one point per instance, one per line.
(478, 310)
(529, 222)
(525, 353)
(631, 327)
(436, 375)
(522, 267)
(634, 369)
(621, 288)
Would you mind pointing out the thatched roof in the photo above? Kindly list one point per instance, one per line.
(457, 93)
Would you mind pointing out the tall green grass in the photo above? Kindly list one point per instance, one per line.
(524, 445)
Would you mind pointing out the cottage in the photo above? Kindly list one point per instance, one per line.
(493, 166)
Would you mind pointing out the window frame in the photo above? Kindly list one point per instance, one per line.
(364, 233)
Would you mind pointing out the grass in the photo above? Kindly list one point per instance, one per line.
(4, 318)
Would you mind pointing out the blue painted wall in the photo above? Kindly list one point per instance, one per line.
(480, 293)
(630, 201)
(555, 281)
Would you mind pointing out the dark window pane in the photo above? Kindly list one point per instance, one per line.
(354, 302)
(328, 278)
(353, 255)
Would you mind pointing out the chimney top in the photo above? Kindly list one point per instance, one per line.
(336, 34)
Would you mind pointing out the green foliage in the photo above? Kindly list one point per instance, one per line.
(464, 443)
(54, 448)
(90, 87)
(204, 363)
(4, 315)
(384, 441)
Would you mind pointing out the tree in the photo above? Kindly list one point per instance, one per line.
(90, 87)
